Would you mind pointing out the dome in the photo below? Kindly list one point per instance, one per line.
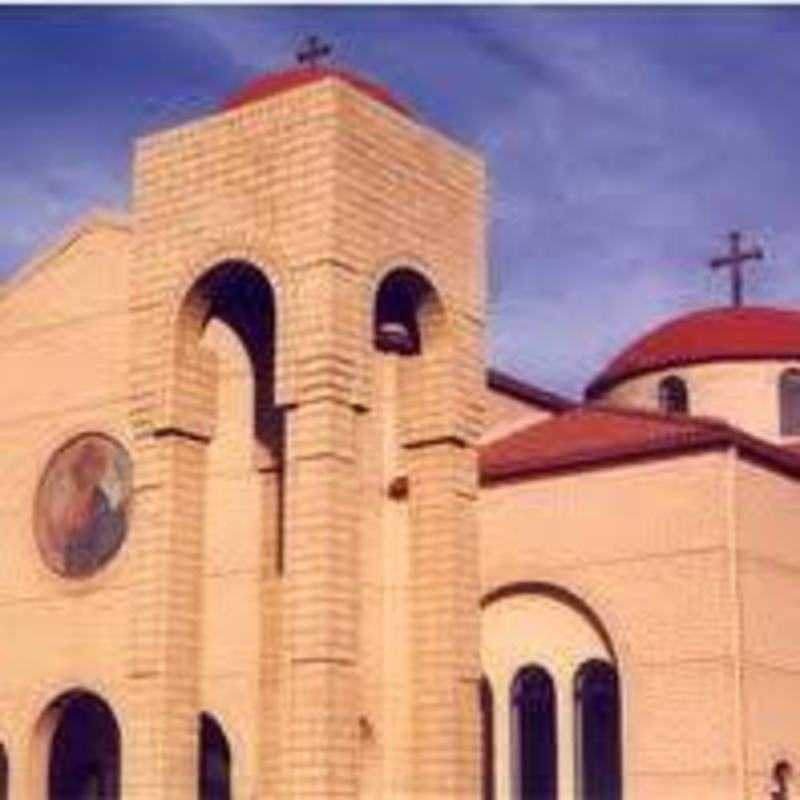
(274, 83)
(715, 334)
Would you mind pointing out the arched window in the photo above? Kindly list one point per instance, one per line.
(534, 766)
(598, 732)
(486, 702)
(84, 749)
(214, 777)
(790, 402)
(673, 396)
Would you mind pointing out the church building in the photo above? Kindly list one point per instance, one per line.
(273, 529)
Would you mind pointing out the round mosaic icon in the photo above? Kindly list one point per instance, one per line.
(83, 505)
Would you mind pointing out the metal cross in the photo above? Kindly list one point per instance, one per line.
(312, 51)
(735, 258)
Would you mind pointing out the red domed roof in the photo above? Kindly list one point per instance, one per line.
(709, 335)
(274, 83)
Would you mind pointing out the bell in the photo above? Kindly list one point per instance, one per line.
(394, 337)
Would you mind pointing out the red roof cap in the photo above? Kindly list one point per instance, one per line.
(276, 82)
(710, 335)
(596, 435)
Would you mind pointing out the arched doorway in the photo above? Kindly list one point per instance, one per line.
(214, 776)
(84, 762)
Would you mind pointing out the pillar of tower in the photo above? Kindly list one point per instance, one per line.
(321, 579)
(443, 621)
(271, 670)
(164, 658)
(320, 607)
(161, 749)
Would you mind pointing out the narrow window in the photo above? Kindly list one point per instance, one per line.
(533, 735)
(790, 402)
(487, 738)
(3, 773)
(598, 734)
(214, 778)
(673, 396)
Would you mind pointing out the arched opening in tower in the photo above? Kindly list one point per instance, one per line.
(410, 336)
(231, 311)
(404, 306)
(408, 329)
(85, 750)
(238, 295)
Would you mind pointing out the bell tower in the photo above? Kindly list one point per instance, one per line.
(343, 242)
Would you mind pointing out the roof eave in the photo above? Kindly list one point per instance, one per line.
(582, 462)
(522, 390)
(714, 434)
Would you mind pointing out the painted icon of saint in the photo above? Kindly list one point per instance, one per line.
(85, 500)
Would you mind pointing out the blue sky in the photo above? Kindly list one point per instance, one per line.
(622, 143)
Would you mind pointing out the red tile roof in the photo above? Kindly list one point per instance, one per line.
(527, 392)
(710, 335)
(274, 83)
(600, 435)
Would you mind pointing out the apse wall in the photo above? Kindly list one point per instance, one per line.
(646, 547)
(767, 572)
